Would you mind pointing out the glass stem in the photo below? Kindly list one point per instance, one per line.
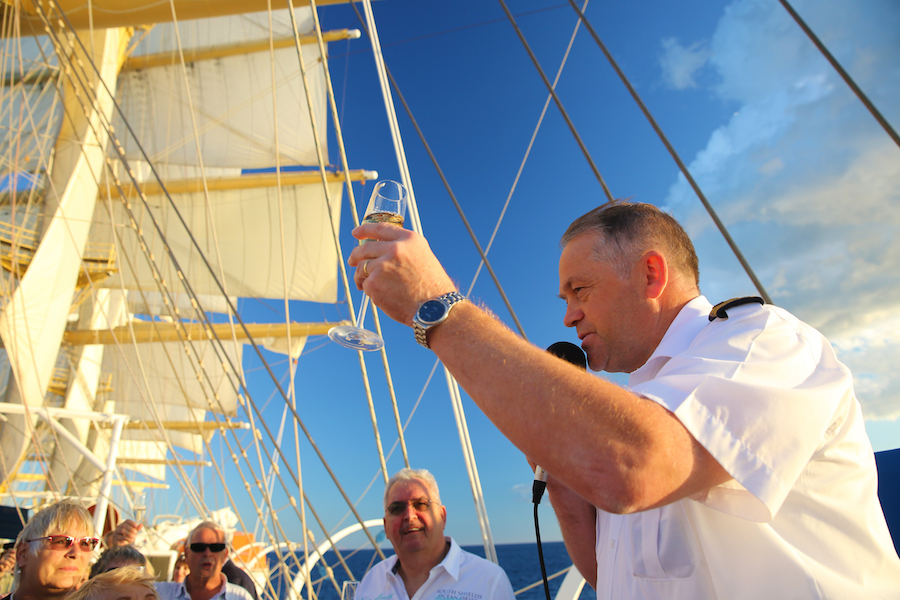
(362, 311)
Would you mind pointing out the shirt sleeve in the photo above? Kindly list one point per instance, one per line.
(236, 592)
(501, 588)
(761, 392)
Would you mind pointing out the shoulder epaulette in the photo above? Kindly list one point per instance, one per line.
(718, 311)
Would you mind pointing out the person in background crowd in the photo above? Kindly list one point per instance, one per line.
(53, 552)
(121, 556)
(238, 576)
(205, 551)
(125, 583)
(180, 570)
(7, 568)
(427, 565)
(126, 532)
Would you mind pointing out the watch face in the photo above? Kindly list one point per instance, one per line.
(432, 311)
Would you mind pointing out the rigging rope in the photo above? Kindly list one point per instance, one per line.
(559, 104)
(843, 73)
(534, 134)
(684, 170)
(453, 386)
(232, 370)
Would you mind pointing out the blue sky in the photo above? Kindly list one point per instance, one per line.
(803, 177)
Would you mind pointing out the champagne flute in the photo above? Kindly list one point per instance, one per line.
(386, 205)
(139, 505)
(349, 590)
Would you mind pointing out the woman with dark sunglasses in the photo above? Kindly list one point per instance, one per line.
(53, 552)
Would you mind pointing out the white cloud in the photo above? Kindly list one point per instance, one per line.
(679, 64)
(805, 179)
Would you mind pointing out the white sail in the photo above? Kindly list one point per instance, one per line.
(244, 228)
(149, 302)
(227, 100)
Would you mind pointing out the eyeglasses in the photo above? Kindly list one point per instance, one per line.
(199, 547)
(64, 542)
(398, 508)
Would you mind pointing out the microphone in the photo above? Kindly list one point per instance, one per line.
(571, 353)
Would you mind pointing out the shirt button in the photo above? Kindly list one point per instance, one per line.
(612, 544)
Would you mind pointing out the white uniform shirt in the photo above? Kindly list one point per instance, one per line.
(460, 576)
(766, 396)
(172, 590)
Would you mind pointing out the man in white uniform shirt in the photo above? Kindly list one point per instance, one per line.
(427, 565)
(735, 466)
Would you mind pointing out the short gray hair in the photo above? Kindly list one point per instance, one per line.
(627, 230)
(408, 474)
(208, 525)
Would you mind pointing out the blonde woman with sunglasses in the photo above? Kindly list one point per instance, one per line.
(53, 552)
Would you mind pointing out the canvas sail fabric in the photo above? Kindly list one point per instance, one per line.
(247, 225)
(231, 103)
(228, 101)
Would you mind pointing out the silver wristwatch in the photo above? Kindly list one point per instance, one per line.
(432, 313)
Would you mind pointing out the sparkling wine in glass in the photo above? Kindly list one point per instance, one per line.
(349, 590)
(386, 205)
(139, 506)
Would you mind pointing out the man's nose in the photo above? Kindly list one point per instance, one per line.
(572, 316)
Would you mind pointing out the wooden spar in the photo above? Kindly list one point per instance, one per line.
(146, 331)
(41, 477)
(104, 14)
(163, 461)
(189, 426)
(243, 182)
(161, 59)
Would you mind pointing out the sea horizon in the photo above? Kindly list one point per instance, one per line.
(520, 561)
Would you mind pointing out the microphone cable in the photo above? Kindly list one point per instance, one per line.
(574, 355)
(537, 490)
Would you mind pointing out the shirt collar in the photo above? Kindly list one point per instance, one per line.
(453, 559)
(450, 563)
(691, 319)
(222, 587)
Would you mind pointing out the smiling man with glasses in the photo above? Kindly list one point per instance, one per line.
(205, 552)
(427, 564)
(53, 552)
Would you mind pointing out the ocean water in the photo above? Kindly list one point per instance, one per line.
(520, 561)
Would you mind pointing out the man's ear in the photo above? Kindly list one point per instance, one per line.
(654, 273)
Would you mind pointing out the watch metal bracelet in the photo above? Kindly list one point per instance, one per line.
(432, 313)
